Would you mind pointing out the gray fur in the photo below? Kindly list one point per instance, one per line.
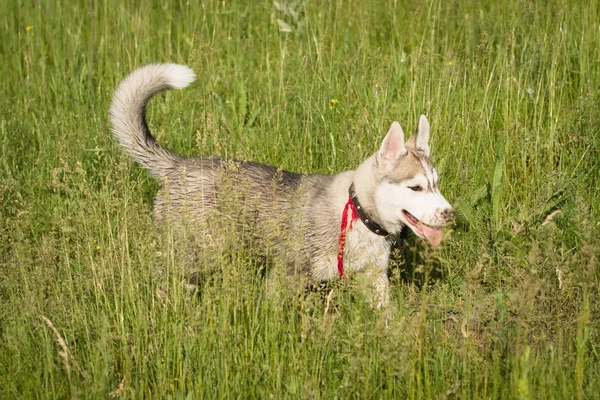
(293, 218)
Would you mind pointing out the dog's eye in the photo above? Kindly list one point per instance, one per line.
(416, 188)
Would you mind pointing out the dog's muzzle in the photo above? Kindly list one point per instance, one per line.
(448, 215)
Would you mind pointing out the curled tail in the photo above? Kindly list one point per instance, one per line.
(128, 113)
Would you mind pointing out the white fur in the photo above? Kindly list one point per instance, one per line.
(178, 76)
(427, 205)
(369, 254)
(131, 96)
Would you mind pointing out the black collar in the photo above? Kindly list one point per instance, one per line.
(368, 221)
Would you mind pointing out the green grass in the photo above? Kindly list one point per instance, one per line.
(92, 302)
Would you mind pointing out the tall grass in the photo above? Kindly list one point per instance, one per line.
(92, 297)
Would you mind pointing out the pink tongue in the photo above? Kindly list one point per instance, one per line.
(433, 235)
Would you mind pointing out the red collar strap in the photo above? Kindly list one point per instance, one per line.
(343, 228)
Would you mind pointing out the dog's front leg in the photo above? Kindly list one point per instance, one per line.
(382, 289)
(376, 286)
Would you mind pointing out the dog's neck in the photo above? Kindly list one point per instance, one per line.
(365, 184)
(365, 218)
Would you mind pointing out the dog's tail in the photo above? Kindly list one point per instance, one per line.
(128, 113)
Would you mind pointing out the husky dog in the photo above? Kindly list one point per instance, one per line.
(337, 223)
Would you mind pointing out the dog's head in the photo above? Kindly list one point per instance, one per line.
(407, 192)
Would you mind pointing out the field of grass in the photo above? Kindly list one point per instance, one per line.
(93, 303)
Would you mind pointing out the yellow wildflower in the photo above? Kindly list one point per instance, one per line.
(332, 103)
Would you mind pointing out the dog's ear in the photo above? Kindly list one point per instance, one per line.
(421, 137)
(392, 147)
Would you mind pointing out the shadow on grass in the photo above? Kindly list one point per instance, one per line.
(413, 263)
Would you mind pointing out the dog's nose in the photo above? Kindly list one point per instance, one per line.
(448, 214)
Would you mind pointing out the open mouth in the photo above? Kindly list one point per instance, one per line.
(433, 235)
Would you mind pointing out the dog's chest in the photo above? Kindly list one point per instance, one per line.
(364, 249)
